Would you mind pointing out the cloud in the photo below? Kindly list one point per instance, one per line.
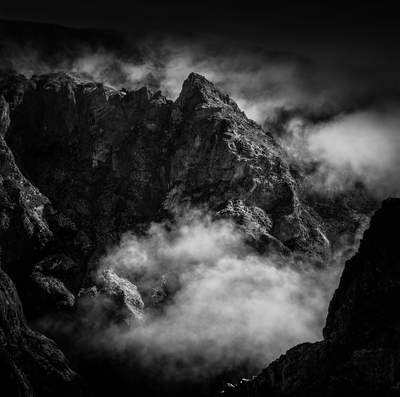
(261, 81)
(111, 70)
(255, 79)
(229, 307)
(362, 145)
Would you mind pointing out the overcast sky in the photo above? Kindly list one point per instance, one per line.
(309, 27)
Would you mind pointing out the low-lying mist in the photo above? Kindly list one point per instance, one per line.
(223, 305)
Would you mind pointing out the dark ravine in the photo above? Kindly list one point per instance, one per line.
(30, 363)
(81, 164)
(359, 355)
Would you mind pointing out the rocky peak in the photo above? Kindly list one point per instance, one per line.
(199, 93)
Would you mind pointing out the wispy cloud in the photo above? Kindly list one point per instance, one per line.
(230, 305)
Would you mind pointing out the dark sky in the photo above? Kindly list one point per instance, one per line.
(351, 45)
(354, 28)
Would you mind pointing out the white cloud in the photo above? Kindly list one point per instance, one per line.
(364, 145)
(233, 305)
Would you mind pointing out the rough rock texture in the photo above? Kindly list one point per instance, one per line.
(112, 299)
(360, 353)
(111, 161)
(96, 152)
(21, 207)
(227, 161)
(30, 364)
(53, 285)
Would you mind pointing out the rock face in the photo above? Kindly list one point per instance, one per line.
(31, 364)
(110, 161)
(21, 205)
(359, 355)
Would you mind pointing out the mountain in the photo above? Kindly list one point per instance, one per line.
(81, 164)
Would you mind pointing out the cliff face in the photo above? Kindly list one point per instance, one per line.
(31, 364)
(359, 355)
(106, 161)
(81, 163)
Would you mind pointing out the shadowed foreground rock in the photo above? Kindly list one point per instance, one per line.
(30, 363)
(360, 353)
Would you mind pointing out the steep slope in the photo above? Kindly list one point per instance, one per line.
(21, 206)
(31, 364)
(359, 355)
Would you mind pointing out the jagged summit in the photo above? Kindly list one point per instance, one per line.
(197, 84)
(198, 92)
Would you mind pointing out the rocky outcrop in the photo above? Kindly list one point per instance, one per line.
(227, 161)
(112, 299)
(360, 354)
(31, 364)
(53, 285)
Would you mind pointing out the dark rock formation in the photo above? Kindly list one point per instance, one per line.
(363, 310)
(21, 206)
(360, 354)
(53, 285)
(111, 161)
(30, 364)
